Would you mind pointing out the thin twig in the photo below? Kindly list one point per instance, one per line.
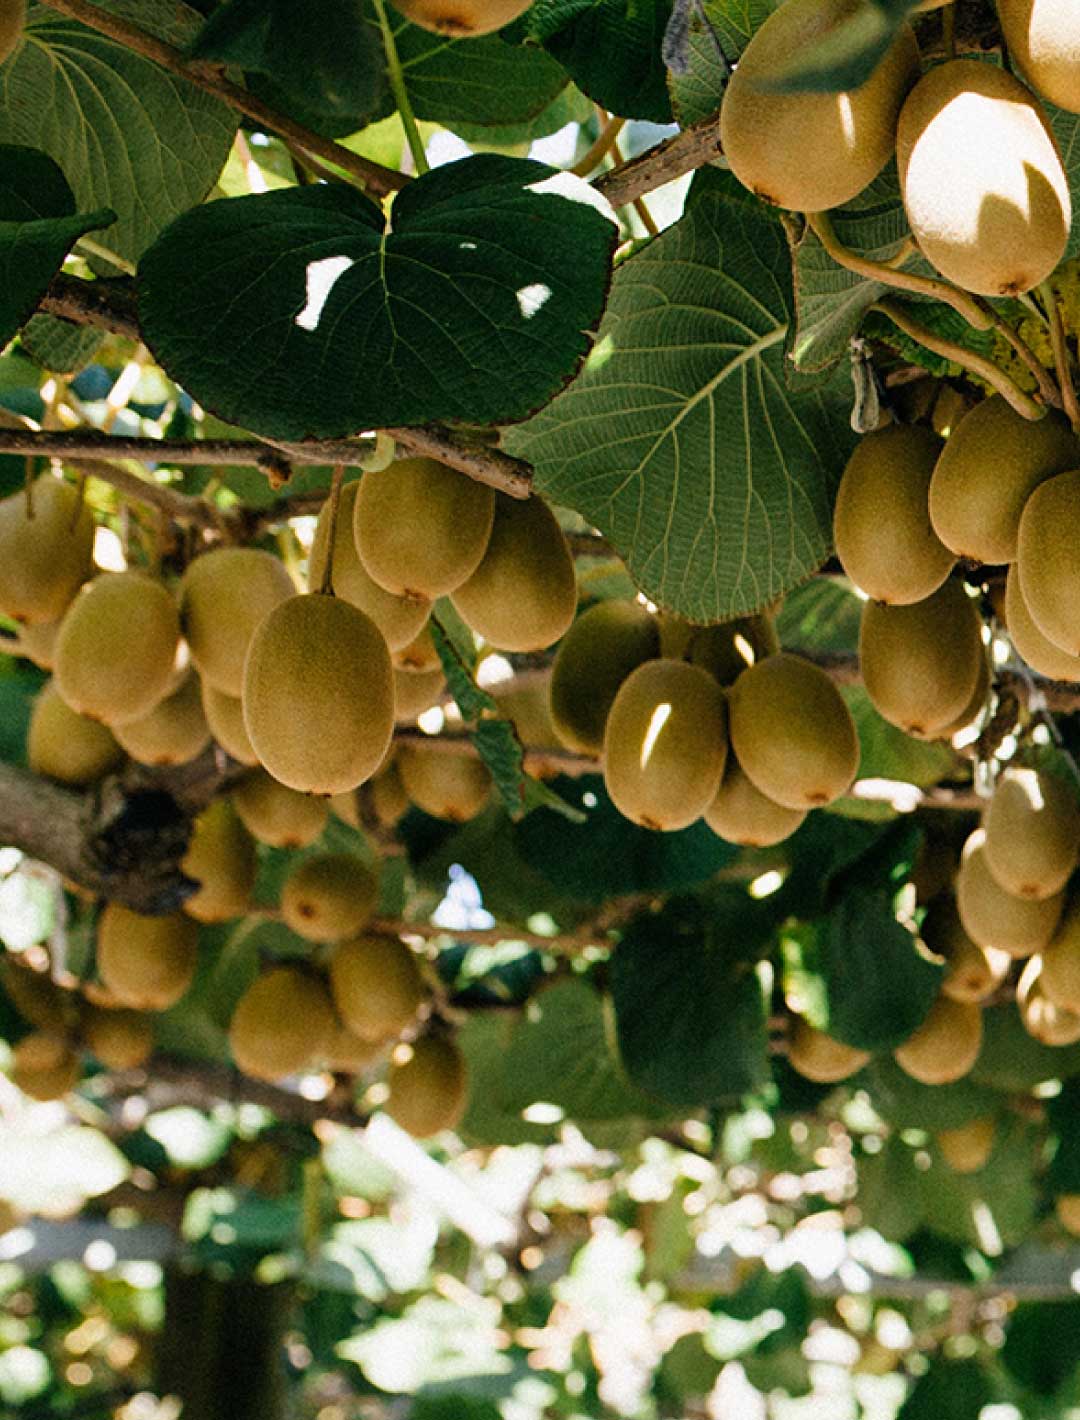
(1061, 355)
(674, 158)
(326, 586)
(610, 128)
(180, 507)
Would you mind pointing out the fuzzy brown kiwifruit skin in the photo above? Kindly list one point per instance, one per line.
(461, 19)
(119, 1039)
(455, 787)
(596, 655)
(429, 1090)
(44, 1066)
(819, 1057)
(1060, 974)
(147, 963)
(44, 559)
(1046, 559)
(36, 997)
(1042, 1018)
(1067, 1208)
(329, 897)
(1032, 825)
(1043, 39)
(415, 692)
(972, 973)
(282, 1024)
(946, 1045)
(742, 814)
(225, 595)
(64, 745)
(276, 815)
(225, 716)
(993, 917)
(1036, 649)
(376, 985)
(174, 732)
(967, 1148)
(221, 858)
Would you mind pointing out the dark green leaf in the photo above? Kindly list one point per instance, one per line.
(490, 1118)
(1012, 1060)
(611, 49)
(909, 1104)
(1063, 1117)
(958, 1389)
(847, 55)
(995, 1207)
(697, 91)
(1042, 1345)
(60, 346)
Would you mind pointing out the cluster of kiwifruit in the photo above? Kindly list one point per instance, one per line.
(982, 181)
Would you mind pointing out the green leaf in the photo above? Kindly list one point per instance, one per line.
(1042, 1345)
(696, 93)
(1014, 1061)
(1066, 128)
(689, 1005)
(994, 1208)
(889, 1190)
(887, 753)
(680, 440)
(126, 133)
(909, 1104)
(736, 21)
(956, 1388)
(38, 227)
(568, 106)
(940, 320)
(846, 56)
(611, 49)
(248, 302)
(489, 1117)
(58, 345)
(822, 615)
(1063, 1116)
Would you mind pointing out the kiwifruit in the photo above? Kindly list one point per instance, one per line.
(225, 716)
(991, 464)
(376, 985)
(349, 1055)
(595, 656)
(1043, 39)
(946, 1045)
(665, 744)
(448, 786)
(12, 22)
(1036, 649)
(819, 1057)
(173, 732)
(920, 663)
(146, 962)
(44, 1066)
(276, 815)
(421, 654)
(282, 1024)
(389, 798)
(528, 708)
(972, 973)
(421, 528)
(1032, 828)
(981, 178)
(968, 1147)
(225, 595)
(37, 642)
(1067, 1208)
(1040, 1017)
(398, 618)
(62, 744)
(971, 711)
(726, 650)
(461, 19)
(523, 595)
(428, 1084)
(46, 548)
(993, 917)
(742, 814)
(1046, 559)
(221, 858)
(329, 896)
(117, 647)
(416, 691)
(1060, 974)
(319, 695)
(792, 733)
(884, 538)
(36, 997)
(121, 1040)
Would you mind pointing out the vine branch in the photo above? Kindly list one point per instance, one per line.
(673, 158)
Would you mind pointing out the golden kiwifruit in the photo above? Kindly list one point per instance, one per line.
(881, 523)
(968, 1147)
(1043, 38)
(174, 731)
(763, 132)
(44, 1066)
(46, 549)
(428, 1083)
(225, 595)
(1036, 649)
(1046, 559)
(993, 917)
(461, 19)
(120, 1039)
(1040, 1017)
(329, 896)
(64, 745)
(1060, 974)
(726, 650)
(37, 642)
(399, 619)
(36, 997)
(117, 647)
(991, 464)
(972, 973)
(276, 815)
(665, 744)
(946, 1045)
(920, 664)
(981, 178)
(742, 814)
(819, 1057)
(319, 695)
(225, 716)
(416, 691)
(221, 858)
(282, 1024)
(376, 985)
(528, 708)
(523, 595)
(1032, 828)
(421, 654)
(971, 711)
(12, 22)
(792, 733)
(421, 528)
(349, 1055)
(388, 796)
(1067, 1208)
(447, 786)
(146, 962)
(595, 656)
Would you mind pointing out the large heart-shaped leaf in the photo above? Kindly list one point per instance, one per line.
(682, 439)
(612, 49)
(299, 313)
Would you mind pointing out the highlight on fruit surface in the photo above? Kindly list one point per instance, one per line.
(146, 962)
(329, 896)
(742, 814)
(1043, 39)
(376, 985)
(1032, 825)
(221, 859)
(763, 133)
(726, 650)
(46, 546)
(429, 1086)
(1041, 1018)
(946, 1045)
(276, 815)
(455, 786)
(461, 19)
(981, 178)
(64, 745)
(993, 917)
(972, 973)
(1036, 649)
(819, 1057)
(282, 1024)
(599, 651)
(968, 1147)
(1046, 561)
(174, 731)
(224, 597)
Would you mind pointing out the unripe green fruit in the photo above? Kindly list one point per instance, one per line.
(221, 858)
(12, 23)
(1043, 39)
(319, 695)
(173, 732)
(882, 525)
(1032, 828)
(225, 716)
(972, 973)
(146, 962)
(276, 815)
(428, 1087)
(665, 744)
(981, 177)
(44, 559)
(1036, 649)
(44, 1066)
(1046, 561)
(121, 1040)
(792, 733)
(461, 19)
(329, 897)
(764, 133)
(66, 746)
(282, 1024)
(225, 596)
(967, 1148)
(946, 1045)
(421, 528)
(595, 656)
(376, 985)
(818, 1057)
(448, 786)
(117, 647)
(742, 814)
(993, 917)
